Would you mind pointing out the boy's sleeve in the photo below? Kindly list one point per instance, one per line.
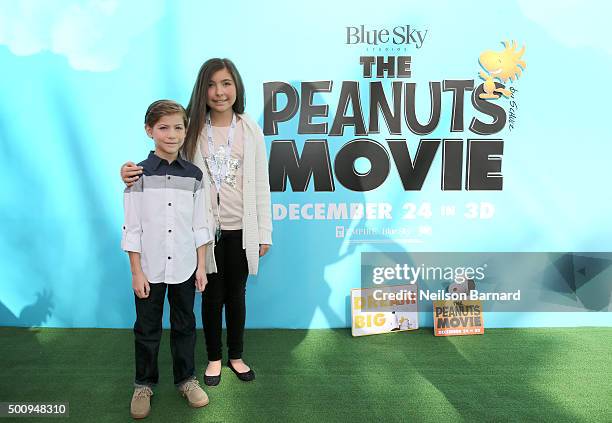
(201, 226)
(132, 226)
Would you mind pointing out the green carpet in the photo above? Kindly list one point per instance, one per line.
(556, 375)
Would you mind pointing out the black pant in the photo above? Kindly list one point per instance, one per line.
(148, 331)
(226, 287)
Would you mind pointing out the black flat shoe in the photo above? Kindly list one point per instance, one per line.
(212, 380)
(246, 376)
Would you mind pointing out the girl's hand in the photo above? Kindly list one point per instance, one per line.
(263, 249)
(140, 285)
(130, 173)
(201, 279)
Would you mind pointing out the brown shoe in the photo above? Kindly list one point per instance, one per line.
(194, 393)
(141, 402)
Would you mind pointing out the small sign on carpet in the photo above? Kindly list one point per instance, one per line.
(384, 309)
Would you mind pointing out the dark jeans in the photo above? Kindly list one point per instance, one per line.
(226, 287)
(148, 331)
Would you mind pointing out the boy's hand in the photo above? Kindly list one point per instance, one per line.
(130, 173)
(140, 285)
(201, 279)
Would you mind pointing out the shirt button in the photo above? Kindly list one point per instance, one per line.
(168, 177)
(169, 204)
(169, 258)
(169, 230)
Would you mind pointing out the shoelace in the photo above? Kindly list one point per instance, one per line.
(143, 392)
(191, 385)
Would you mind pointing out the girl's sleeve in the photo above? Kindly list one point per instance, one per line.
(262, 187)
(132, 222)
(201, 227)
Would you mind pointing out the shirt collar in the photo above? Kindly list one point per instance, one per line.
(156, 161)
(181, 162)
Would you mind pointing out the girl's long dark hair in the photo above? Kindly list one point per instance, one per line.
(197, 108)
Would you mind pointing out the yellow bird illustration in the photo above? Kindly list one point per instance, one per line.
(503, 65)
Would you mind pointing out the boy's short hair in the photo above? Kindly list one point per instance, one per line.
(161, 108)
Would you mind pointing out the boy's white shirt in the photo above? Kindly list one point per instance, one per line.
(146, 207)
(257, 215)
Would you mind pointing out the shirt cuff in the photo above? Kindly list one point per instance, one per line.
(131, 242)
(265, 237)
(202, 237)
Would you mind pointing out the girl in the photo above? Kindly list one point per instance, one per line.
(228, 146)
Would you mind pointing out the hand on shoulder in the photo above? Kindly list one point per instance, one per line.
(130, 172)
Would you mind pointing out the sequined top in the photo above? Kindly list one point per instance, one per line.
(230, 211)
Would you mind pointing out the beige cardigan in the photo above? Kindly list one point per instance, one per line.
(256, 217)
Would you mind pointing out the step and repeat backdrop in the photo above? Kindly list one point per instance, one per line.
(400, 136)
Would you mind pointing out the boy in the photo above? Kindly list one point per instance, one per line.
(165, 234)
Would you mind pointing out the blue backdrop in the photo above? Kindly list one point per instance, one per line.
(77, 77)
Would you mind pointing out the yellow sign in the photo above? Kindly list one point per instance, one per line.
(453, 318)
